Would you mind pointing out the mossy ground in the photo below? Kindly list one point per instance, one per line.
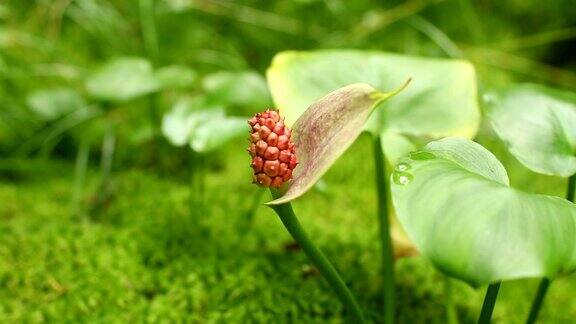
(144, 257)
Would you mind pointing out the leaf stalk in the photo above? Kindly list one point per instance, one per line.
(489, 303)
(538, 300)
(382, 187)
(545, 282)
(290, 221)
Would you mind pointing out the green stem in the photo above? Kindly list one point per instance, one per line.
(571, 188)
(153, 116)
(148, 26)
(385, 238)
(451, 313)
(197, 181)
(80, 176)
(473, 22)
(288, 218)
(489, 303)
(150, 40)
(545, 282)
(106, 162)
(201, 177)
(193, 175)
(108, 148)
(538, 300)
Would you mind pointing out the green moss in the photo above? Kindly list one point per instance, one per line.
(145, 257)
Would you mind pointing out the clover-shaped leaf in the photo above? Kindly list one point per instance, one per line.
(54, 103)
(216, 131)
(184, 117)
(244, 88)
(441, 101)
(175, 76)
(194, 122)
(127, 78)
(454, 200)
(122, 79)
(538, 125)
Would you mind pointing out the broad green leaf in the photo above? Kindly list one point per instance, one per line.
(538, 125)
(128, 78)
(441, 101)
(214, 132)
(175, 76)
(454, 201)
(183, 119)
(54, 103)
(122, 79)
(237, 88)
(205, 128)
(326, 130)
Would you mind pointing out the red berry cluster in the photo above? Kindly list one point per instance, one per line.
(272, 151)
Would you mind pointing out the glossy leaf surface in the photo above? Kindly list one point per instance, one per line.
(441, 101)
(538, 125)
(454, 201)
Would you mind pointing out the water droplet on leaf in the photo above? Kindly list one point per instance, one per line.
(402, 167)
(489, 98)
(402, 178)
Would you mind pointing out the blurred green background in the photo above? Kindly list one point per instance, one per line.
(107, 215)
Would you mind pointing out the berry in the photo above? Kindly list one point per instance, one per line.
(273, 152)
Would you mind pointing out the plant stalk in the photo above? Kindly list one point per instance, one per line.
(538, 300)
(108, 148)
(474, 24)
(106, 162)
(489, 303)
(80, 169)
(385, 238)
(200, 176)
(153, 115)
(194, 198)
(290, 221)
(150, 40)
(451, 312)
(197, 178)
(571, 188)
(545, 282)
(148, 26)
(191, 184)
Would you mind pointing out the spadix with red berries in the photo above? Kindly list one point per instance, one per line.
(321, 135)
(271, 148)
